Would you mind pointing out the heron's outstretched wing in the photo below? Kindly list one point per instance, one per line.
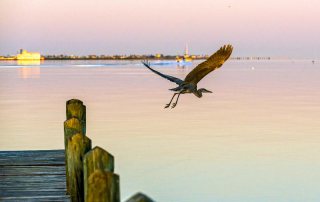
(170, 78)
(213, 62)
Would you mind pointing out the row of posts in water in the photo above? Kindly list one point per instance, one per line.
(89, 172)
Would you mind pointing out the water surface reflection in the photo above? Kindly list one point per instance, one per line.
(256, 138)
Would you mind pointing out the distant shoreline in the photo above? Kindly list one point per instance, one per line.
(136, 58)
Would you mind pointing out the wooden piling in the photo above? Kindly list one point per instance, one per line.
(76, 109)
(75, 124)
(140, 197)
(72, 127)
(103, 186)
(96, 159)
(78, 145)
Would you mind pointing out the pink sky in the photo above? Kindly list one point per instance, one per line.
(273, 28)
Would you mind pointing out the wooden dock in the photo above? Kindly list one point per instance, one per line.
(33, 176)
(79, 173)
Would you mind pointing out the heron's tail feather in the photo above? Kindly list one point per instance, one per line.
(176, 89)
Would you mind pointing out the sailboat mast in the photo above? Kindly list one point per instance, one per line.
(186, 52)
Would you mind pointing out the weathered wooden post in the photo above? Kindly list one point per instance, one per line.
(72, 126)
(89, 173)
(140, 197)
(75, 124)
(78, 146)
(100, 183)
(76, 109)
(103, 186)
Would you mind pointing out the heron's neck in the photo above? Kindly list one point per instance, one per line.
(198, 93)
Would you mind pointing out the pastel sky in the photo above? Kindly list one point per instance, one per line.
(255, 27)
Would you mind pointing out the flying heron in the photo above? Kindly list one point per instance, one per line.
(189, 84)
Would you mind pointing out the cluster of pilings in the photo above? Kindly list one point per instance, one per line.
(89, 172)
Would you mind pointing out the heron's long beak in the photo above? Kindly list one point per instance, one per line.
(207, 91)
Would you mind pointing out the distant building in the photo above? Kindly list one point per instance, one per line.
(25, 55)
(186, 57)
(158, 55)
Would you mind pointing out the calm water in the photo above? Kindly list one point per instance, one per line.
(256, 138)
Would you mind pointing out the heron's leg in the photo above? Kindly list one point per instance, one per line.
(175, 104)
(167, 105)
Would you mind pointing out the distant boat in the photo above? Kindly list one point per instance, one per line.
(185, 58)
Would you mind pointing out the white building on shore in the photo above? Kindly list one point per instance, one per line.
(25, 55)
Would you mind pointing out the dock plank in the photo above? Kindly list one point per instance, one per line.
(33, 176)
(37, 157)
(32, 170)
(37, 199)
